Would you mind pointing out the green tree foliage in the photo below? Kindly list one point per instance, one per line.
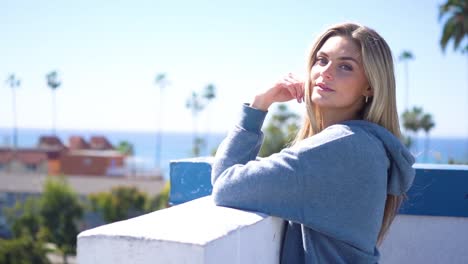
(415, 120)
(280, 130)
(452, 161)
(51, 218)
(412, 119)
(455, 14)
(24, 218)
(126, 148)
(427, 124)
(60, 210)
(28, 243)
(456, 24)
(119, 204)
(22, 250)
(161, 200)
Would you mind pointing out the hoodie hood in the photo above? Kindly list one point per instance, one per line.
(400, 172)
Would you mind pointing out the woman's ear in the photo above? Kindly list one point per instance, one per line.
(368, 92)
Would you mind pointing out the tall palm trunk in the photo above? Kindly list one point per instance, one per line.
(406, 86)
(54, 83)
(15, 127)
(426, 147)
(54, 113)
(196, 149)
(161, 81)
(159, 133)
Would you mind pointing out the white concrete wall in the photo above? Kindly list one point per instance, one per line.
(426, 240)
(194, 232)
(200, 232)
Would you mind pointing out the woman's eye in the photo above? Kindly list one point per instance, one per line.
(322, 61)
(346, 67)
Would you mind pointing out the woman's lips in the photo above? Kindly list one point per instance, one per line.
(324, 87)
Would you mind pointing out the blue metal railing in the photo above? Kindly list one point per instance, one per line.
(438, 190)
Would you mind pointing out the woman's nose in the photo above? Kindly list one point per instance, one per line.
(327, 71)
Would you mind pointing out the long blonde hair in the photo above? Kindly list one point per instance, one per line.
(380, 109)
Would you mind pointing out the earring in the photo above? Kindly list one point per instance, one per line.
(367, 99)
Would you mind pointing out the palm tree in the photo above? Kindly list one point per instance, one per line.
(405, 57)
(456, 29)
(162, 82)
(196, 103)
(14, 83)
(456, 25)
(412, 122)
(209, 94)
(426, 124)
(126, 148)
(54, 83)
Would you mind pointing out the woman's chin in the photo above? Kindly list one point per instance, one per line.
(320, 100)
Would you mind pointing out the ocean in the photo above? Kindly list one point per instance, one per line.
(178, 145)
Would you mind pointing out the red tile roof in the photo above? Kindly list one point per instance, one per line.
(100, 143)
(50, 142)
(77, 142)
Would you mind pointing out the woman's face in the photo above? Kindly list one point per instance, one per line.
(337, 77)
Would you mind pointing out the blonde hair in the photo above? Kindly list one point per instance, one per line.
(381, 107)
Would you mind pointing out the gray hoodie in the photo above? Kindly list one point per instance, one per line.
(331, 188)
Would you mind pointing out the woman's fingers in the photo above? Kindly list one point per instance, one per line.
(288, 88)
(295, 86)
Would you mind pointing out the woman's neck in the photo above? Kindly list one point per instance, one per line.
(329, 118)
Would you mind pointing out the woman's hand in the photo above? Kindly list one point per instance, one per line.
(288, 88)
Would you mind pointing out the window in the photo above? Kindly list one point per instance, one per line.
(87, 162)
(31, 167)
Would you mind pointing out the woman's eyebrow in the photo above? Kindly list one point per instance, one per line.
(349, 58)
(340, 58)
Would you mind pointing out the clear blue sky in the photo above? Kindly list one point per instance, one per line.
(108, 53)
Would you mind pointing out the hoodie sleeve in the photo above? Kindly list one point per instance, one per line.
(318, 182)
(242, 181)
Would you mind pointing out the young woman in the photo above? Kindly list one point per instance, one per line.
(341, 182)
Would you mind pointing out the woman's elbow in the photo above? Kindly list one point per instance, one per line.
(221, 195)
(217, 194)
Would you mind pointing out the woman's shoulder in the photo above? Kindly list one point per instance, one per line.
(357, 131)
(363, 132)
(346, 139)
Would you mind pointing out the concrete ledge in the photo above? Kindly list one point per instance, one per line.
(195, 232)
(200, 232)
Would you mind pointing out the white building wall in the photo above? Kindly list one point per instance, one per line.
(426, 240)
